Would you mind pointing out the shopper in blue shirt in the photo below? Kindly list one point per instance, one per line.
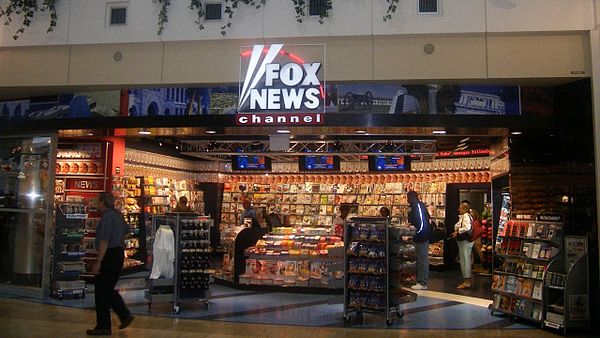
(110, 237)
(419, 218)
(250, 212)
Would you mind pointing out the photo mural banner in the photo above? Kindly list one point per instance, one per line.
(356, 98)
(428, 99)
(64, 106)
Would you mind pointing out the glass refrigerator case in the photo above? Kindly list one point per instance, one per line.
(26, 199)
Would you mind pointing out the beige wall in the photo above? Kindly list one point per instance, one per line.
(459, 56)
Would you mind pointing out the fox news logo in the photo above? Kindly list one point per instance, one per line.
(273, 86)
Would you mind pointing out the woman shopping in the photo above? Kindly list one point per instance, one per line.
(462, 233)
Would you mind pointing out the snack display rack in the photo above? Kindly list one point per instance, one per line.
(367, 267)
(526, 246)
(192, 272)
(69, 250)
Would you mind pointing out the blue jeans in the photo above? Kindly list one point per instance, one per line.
(422, 251)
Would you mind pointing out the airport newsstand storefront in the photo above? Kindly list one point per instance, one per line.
(364, 143)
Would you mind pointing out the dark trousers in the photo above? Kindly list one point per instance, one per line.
(106, 296)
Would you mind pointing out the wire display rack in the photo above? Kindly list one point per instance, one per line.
(191, 278)
(367, 266)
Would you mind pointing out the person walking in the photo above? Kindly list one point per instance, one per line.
(462, 233)
(419, 218)
(110, 241)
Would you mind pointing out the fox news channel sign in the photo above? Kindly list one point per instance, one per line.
(281, 85)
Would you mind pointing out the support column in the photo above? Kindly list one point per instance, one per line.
(595, 57)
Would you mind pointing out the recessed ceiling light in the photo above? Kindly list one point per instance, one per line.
(160, 144)
(439, 132)
(211, 131)
(361, 131)
(283, 131)
(90, 134)
(144, 132)
(516, 132)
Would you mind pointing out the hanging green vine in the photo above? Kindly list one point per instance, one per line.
(232, 5)
(392, 6)
(198, 6)
(162, 15)
(300, 8)
(28, 8)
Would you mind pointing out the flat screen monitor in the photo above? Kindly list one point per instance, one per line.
(319, 163)
(251, 162)
(389, 163)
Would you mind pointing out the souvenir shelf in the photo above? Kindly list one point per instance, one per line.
(82, 171)
(566, 287)
(69, 250)
(146, 197)
(525, 245)
(81, 168)
(372, 277)
(295, 257)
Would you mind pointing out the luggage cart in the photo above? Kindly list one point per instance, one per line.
(191, 280)
(367, 265)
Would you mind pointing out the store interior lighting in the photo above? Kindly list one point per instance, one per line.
(145, 132)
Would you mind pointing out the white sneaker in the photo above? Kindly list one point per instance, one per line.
(419, 287)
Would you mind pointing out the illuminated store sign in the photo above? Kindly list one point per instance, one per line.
(464, 153)
(279, 87)
(91, 184)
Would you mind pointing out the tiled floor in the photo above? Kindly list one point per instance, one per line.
(238, 313)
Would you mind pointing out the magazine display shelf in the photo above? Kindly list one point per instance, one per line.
(525, 248)
(369, 241)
